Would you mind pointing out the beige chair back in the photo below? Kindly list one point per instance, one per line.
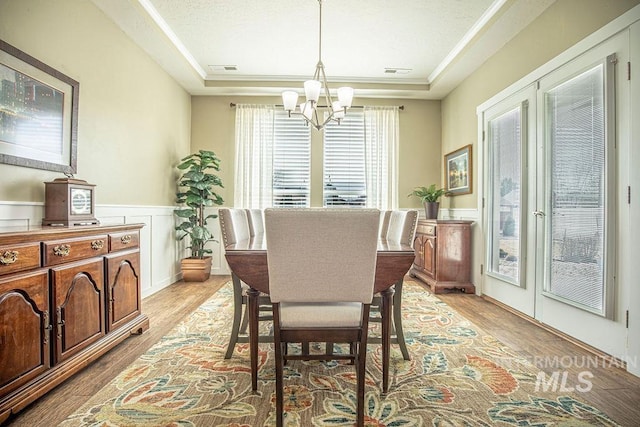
(384, 223)
(321, 255)
(234, 225)
(256, 221)
(402, 226)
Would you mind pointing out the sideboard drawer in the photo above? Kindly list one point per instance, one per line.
(19, 257)
(126, 240)
(61, 251)
(428, 229)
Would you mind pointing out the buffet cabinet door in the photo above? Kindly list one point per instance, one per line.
(123, 288)
(429, 250)
(24, 328)
(78, 296)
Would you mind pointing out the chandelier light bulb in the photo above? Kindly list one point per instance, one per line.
(312, 90)
(338, 110)
(289, 99)
(306, 108)
(345, 96)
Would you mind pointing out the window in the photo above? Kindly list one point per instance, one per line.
(291, 161)
(273, 159)
(344, 162)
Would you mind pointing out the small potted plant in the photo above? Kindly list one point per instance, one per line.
(429, 197)
(196, 192)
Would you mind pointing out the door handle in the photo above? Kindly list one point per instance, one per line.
(538, 213)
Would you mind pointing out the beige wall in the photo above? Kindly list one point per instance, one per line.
(562, 25)
(213, 128)
(134, 120)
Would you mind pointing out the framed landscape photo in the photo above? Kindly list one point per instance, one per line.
(38, 113)
(458, 173)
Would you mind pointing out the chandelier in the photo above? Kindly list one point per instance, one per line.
(318, 115)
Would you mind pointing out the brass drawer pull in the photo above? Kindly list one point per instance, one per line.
(125, 239)
(62, 250)
(96, 245)
(8, 257)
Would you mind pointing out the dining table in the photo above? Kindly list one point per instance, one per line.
(247, 259)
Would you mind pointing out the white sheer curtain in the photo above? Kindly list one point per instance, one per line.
(381, 126)
(254, 156)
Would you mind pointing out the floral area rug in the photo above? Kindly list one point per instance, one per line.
(457, 376)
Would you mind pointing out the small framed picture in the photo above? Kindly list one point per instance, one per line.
(458, 173)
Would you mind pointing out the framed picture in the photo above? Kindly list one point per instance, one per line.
(38, 113)
(458, 173)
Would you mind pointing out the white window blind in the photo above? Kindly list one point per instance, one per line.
(291, 161)
(344, 162)
(575, 128)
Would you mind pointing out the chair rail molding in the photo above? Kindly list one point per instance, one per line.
(160, 251)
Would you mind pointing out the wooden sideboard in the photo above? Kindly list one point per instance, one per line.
(67, 296)
(443, 255)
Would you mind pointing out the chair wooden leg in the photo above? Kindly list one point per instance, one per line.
(387, 296)
(237, 315)
(279, 372)
(252, 296)
(361, 358)
(329, 348)
(397, 320)
(245, 320)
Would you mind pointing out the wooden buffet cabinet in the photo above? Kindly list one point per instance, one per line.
(443, 255)
(67, 296)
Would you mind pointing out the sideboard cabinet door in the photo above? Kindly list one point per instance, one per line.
(430, 256)
(123, 288)
(24, 328)
(418, 244)
(78, 295)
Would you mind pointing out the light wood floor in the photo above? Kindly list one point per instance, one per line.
(614, 391)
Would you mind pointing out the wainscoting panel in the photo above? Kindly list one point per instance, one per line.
(160, 251)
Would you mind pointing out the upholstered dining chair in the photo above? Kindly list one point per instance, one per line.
(256, 222)
(400, 228)
(384, 223)
(234, 227)
(322, 265)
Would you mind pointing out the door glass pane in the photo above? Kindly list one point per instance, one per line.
(575, 130)
(504, 195)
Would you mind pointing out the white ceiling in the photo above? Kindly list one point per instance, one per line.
(274, 44)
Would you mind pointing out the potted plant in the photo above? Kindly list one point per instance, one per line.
(196, 192)
(429, 197)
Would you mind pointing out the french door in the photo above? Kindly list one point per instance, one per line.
(551, 189)
(510, 189)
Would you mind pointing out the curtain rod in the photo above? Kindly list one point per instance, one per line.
(233, 105)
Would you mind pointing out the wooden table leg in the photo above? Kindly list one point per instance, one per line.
(397, 319)
(252, 297)
(387, 296)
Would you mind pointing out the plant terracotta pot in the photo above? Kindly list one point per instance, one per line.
(431, 209)
(196, 269)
